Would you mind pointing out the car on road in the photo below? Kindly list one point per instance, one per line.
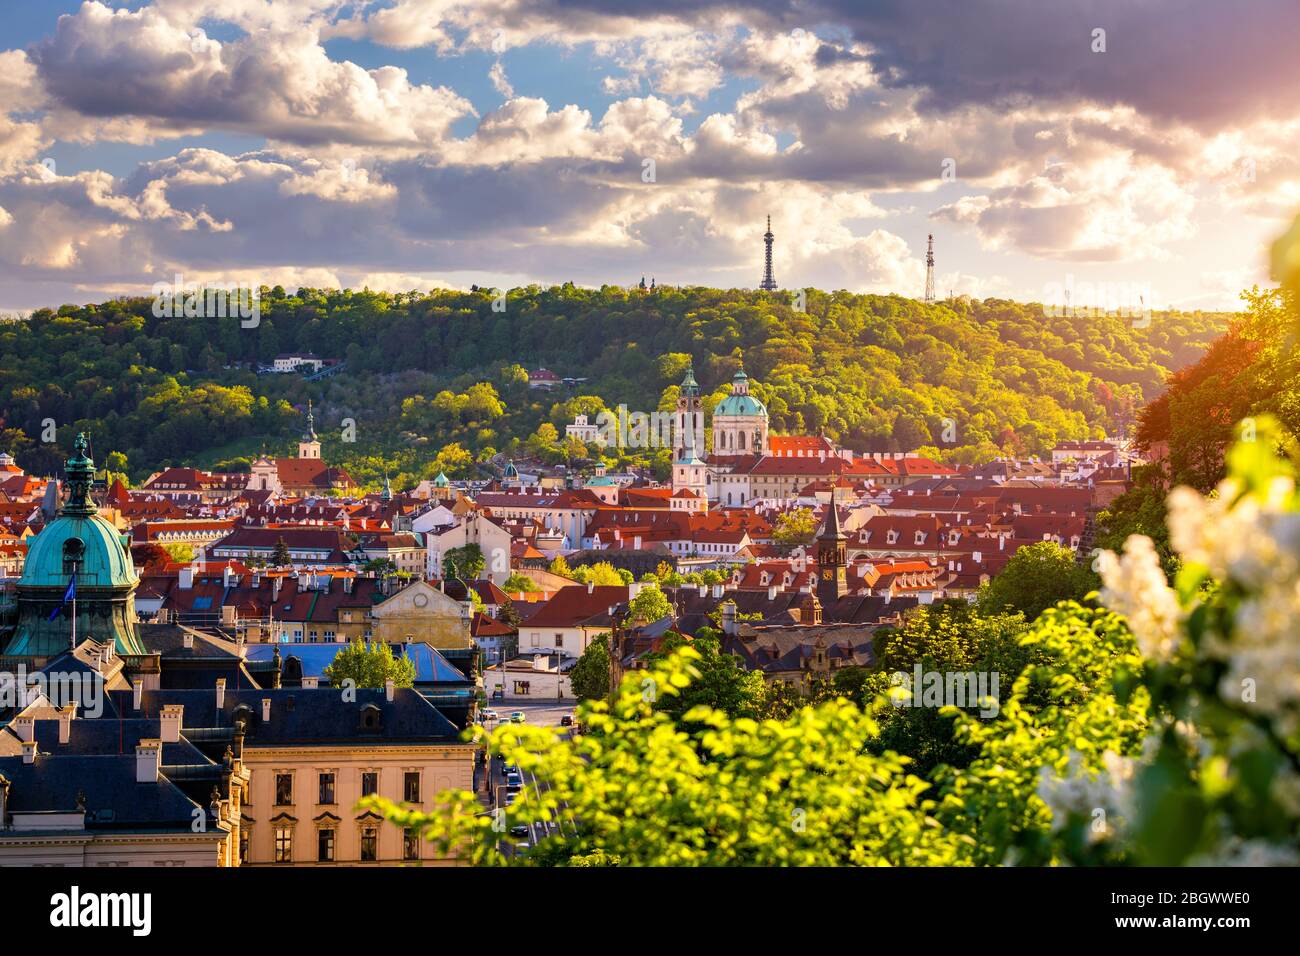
(519, 830)
(511, 797)
(490, 715)
(566, 720)
(514, 781)
(518, 716)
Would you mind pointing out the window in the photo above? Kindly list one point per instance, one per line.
(411, 787)
(410, 845)
(521, 687)
(369, 783)
(283, 789)
(284, 844)
(369, 844)
(244, 836)
(559, 640)
(326, 788)
(325, 845)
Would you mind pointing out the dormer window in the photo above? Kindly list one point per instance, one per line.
(920, 537)
(370, 717)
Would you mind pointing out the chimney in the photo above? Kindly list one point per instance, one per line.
(771, 592)
(221, 692)
(257, 579)
(276, 584)
(977, 557)
(137, 694)
(718, 590)
(304, 580)
(266, 708)
(390, 689)
(66, 714)
(591, 587)
(347, 585)
(170, 721)
(25, 728)
(188, 640)
(228, 576)
(186, 578)
(310, 683)
(148, 755)
(29, 751)
(729, 618)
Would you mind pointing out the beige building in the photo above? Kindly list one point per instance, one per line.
(420, 612)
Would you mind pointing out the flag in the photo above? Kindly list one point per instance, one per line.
(69, 595)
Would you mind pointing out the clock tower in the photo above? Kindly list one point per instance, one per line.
(832, 559)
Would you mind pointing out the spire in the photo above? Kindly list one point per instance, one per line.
(311, 424)
(387, 493)
(929, 270)
(769, 283)
(831, 530)
(80, 472)
(689, 385)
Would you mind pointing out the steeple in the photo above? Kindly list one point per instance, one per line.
(769, 283)
(309, 447)
(387, 493)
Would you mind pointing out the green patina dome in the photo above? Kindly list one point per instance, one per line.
(105, 559)
(78, 540)
(740, 405)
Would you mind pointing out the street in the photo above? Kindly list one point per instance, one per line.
(543, 714)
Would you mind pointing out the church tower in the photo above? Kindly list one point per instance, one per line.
(309, 447)
(688, 424)
(832, 559)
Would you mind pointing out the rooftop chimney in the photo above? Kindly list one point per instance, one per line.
(170, 721)
(188, 640)
(25, 728)
(148, 755)
(137, 695)
(310, 683)
(29, 751)
(66, 714)
(591, 587)
(266, 708)
(186, 578)
(221, 692)
(390, 689)
(771, 592)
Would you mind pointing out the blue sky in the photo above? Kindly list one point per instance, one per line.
(417, 143)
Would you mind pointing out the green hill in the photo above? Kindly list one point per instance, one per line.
(438, 381)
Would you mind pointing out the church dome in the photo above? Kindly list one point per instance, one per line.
(741, 405)
(102, 558)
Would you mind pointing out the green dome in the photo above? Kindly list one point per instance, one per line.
(741, 405)
(105, 559)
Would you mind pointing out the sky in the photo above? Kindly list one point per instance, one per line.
(1110, 146)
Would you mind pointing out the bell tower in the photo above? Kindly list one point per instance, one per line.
(832, 559)
(309, 447)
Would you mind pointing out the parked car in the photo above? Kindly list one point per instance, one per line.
(490, 715)
(518, 716)
(566, 720)
(514, 781)
(519, 830)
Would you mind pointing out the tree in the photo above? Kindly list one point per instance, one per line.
(520, 582)
(649, 605)
(369, 665)
(601, 574)
(180, 553)
(721, 681)
(590, 675)
(1036, 578)
(795, 528)
(466, 562)
(560, 566)
(280, 556)
(379, 567)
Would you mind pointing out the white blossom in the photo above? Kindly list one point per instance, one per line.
(1135, 586)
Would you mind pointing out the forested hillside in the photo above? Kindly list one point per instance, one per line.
(439, 381)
